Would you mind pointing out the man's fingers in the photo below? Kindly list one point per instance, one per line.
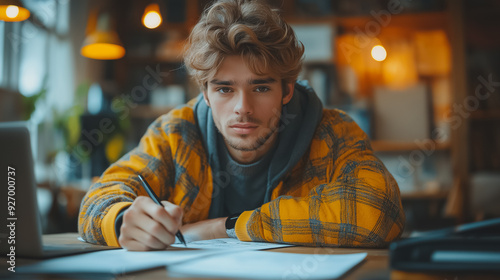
(133, 245)
(159, 214)
(136, 235)
(156, 229)
(147, 225)
(175, 211)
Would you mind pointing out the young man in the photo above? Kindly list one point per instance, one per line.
(256, 147)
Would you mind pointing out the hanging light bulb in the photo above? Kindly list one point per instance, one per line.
(379, 53)
(152, 16)
(13, 10)
(103, 43)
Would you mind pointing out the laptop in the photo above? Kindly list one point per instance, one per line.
(20, 224)
(472, 247)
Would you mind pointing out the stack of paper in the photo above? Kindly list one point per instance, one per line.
(212, 258)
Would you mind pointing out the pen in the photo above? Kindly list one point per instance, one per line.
(153, 196)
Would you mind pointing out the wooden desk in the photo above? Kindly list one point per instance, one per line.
(375, 266)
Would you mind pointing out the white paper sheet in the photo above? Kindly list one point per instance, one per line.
(218, 258)
(114, 261)
(230, 244)
(268, 265)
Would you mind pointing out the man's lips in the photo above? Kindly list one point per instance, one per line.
(244, 125)
(243, 128)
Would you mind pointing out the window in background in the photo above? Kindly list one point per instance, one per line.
(40, 58)
(9, 55)
(35, 42)
(33, 64)
(45, 10)
(45, 56)
(2, 41)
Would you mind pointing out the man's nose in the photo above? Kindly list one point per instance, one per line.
(244, 104)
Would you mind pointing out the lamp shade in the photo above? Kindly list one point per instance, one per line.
(103, 43)
(13, 10)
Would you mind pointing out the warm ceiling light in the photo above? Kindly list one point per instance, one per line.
(379, 53)
(103, 43)
(13, 10)
(152, 16)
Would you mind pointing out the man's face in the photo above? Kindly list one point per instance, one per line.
(246, 107)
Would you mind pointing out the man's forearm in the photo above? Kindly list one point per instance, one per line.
(206, 229)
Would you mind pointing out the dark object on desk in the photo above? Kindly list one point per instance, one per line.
(22, 237)
(469, 247)
(157, 200)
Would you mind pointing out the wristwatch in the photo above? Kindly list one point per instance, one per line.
(230, 224)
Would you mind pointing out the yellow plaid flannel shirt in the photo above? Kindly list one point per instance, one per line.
(338, 194)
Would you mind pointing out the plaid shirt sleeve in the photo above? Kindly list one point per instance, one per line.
(344, 195)
(119, 185)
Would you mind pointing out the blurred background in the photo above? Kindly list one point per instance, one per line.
(420, 77)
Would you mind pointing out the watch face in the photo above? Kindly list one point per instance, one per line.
(231, 221)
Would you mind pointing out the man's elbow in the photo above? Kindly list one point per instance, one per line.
(388, 227)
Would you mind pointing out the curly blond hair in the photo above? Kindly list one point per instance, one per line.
(248, 28)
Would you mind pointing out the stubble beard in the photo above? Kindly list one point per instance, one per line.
(261, 140)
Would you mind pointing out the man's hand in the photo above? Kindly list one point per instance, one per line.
(148, 226)
(203, 230)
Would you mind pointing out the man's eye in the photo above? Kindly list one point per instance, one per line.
(262, 89)
(224, 90)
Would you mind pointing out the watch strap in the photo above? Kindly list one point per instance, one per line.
(231, 224)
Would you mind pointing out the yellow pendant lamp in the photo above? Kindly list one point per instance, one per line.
(103, 43)
(13, 10)
(152, 16)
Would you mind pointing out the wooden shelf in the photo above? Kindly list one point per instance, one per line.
(423, 195)
(418, 20)
(486, 115)
(148, 111)
(393, 146)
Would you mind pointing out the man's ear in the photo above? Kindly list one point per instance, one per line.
(289, 91)
(205, 97)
